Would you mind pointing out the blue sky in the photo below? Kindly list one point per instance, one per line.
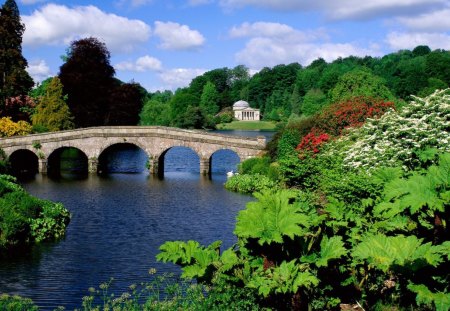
(164, 44)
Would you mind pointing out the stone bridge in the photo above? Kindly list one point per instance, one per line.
(155, 141)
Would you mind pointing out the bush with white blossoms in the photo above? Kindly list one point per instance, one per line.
(395, 137)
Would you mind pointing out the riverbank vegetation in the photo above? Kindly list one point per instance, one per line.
(25, 220)
(355, 214)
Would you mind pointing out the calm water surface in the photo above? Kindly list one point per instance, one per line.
(118, 223)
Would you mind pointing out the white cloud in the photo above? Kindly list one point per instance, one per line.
(179, 77)
(59, 25)
(271, 44)
(343, 9)
(142, 64)
(178, 37)
(267, 52)
(38, 70)
(405, 40)
(433, 21)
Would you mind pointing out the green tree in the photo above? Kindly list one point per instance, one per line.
(179, 103)
(154, 112)
(411, 77)
(87, 77)
(126, 101)
(14, 79)
(40, 89)
(209, 98)
(360, 82)
(313, 102)
(295, 101)
(52, 112)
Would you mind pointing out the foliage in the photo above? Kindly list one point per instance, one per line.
(270, 219)
(246, 183)
(126, 101)
(95, 97)
(351, 113)
(312, 141)
(18, 108)
(209, 99)
(154, 112)
(15, 79)
(396, 137)
(16, 303)
(360, 82)
(52, 111)
(313, 102)
(87, 77)
(9, 128)
(379, 239)
(25, 219)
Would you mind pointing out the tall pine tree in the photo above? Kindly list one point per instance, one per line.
(14, 79)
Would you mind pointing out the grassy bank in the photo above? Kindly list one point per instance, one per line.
(248, 125)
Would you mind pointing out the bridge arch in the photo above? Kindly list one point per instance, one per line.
(224, 160)
(159, 161)
(67, 159)
(109, 157)
(24, 162)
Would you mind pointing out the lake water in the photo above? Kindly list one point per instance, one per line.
(119, 220)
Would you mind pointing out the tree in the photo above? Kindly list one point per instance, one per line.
(52, 112)
(179, 104)
(87, 77)
(14, 79)
(313, 102)
(154, 112)
(40, 89)
(125, 105)
(359, 82)
(209, 98)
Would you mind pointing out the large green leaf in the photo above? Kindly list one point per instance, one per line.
(271, 218)
(330, 248)
(415, 193)
(384, 252)
(424, 296)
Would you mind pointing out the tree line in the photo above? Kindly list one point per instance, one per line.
(86, 93)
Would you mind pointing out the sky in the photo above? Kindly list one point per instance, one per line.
(165, 44)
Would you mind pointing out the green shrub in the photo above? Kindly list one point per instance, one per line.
(245, 183)
(255, 166)
(16, 303)
(25, 219)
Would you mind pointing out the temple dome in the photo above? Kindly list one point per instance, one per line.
(241, 104)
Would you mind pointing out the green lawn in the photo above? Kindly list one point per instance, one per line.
(247, 125)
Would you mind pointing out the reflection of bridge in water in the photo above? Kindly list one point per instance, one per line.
(38, 150)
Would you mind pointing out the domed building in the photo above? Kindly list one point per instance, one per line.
(243, 111)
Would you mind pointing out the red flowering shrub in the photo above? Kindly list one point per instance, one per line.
(313, 141)
(351, 113)
(334, 119)
(18, 108)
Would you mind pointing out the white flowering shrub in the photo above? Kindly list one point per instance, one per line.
(395, 137)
